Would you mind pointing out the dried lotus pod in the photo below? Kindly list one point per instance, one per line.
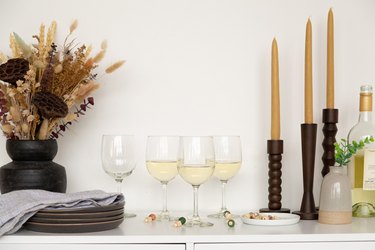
(13, 70)
(50, 105)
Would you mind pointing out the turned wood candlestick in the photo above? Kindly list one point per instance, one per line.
(274, 150)
(308, 139)
(330, 118)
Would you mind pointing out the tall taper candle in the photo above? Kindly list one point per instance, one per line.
(308, 75)
(275, 99)
(330, 62)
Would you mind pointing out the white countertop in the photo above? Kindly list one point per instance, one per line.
(135, 230)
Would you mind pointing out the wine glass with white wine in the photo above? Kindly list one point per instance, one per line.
(161, 163)
(228, 158)
(196, 163)
(118, 158)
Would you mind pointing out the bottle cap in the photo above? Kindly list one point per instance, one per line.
(366, 89)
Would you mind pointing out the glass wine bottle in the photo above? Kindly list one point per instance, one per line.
(361, 169)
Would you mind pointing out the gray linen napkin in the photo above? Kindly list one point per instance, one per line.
(18, 206)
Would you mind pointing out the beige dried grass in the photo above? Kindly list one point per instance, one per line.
(15, 113)
(73, 26)
(114, 66)
(14, 46)
(43, 131)
(85, 90)
(104, 45)
(50, 38)
(7, 128)
(41, 45)
(3, 58)
(98, 57)
(88, 51)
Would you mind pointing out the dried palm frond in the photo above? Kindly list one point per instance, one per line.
(25, 49)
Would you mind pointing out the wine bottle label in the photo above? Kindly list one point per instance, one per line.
(369, 169)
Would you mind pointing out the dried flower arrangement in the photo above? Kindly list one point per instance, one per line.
(43, 89)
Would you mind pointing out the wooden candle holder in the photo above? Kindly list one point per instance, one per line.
(308, 138)
(274, 150)
(330, 118)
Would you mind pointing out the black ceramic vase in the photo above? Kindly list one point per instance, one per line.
(32, 167)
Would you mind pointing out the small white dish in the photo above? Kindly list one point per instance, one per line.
(281, 220)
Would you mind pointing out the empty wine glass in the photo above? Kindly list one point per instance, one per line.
(227, 163)
(195, 166)
(118, 158)
(161, 163)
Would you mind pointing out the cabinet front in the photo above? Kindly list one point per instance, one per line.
(288, 246)
(93, 246)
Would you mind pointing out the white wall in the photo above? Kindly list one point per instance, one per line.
(203, 67)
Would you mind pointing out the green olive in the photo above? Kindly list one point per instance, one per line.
(182, 220)
(231, 223)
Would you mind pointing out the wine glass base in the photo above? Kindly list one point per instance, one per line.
(129, 215)
(220, 215)
(193, 223)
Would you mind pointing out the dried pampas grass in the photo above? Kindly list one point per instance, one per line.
(104, 45)
(73, 26)
(3, 58)
(50, 38)
(14, 46)
(85, 90)
(98, 57)
(114, 66)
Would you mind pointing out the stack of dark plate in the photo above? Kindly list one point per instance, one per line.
(78, 220)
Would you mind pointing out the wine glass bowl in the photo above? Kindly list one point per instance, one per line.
(161, 163)
(228, 158)
(118, 158)
(195, 166)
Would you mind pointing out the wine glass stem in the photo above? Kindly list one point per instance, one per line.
(223, 196)
(119, 184)
(164, 187)
(195, 214)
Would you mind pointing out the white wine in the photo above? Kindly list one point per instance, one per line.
(359, 194)
(226, 170)
(163, 171)
(117, 175)
(196, 175)
(360, 167)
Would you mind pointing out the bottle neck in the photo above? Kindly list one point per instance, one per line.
(365, 116)
(365, 102)
(365, 107)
